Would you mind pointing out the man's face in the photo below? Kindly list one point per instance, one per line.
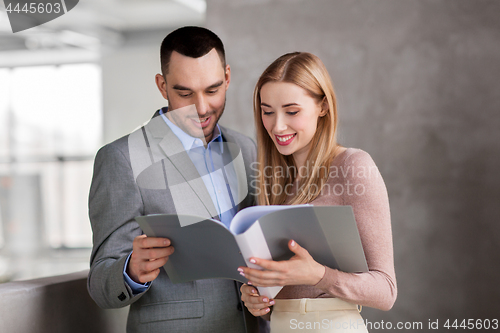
(196, 86)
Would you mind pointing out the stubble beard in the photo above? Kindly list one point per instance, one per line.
(188, 131)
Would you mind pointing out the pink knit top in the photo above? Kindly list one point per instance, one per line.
(356, 181)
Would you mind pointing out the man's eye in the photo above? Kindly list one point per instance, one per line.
(212, 91)
(185, 95)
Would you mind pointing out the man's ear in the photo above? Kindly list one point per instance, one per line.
(324, 107)
(228, 75)
(162, 85)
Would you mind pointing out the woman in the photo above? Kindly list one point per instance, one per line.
(296, 121)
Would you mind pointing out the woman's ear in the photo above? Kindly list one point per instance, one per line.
(324, 107)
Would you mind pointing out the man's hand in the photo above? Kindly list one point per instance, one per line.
(256, 304)
(148, 255)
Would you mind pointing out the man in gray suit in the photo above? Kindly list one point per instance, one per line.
(176, 164)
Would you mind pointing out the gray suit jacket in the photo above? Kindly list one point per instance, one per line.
(116, 199)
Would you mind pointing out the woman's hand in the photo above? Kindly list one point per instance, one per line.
(301, 269)
(256, 304)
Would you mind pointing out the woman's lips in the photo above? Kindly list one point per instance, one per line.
(284, 140)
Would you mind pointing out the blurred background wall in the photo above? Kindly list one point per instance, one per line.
(418, 89)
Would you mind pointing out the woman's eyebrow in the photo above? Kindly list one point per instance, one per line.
(283, 106)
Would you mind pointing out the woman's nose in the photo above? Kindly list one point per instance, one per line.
(280, 124)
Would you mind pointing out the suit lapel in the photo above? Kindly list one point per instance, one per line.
(239, 166)
(169, 146)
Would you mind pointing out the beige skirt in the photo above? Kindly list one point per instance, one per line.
(316, 315)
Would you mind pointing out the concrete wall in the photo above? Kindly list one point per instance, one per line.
(419, 89)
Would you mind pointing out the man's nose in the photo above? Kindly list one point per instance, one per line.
(202, 106)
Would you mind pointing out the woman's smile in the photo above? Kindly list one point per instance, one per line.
(285, 140)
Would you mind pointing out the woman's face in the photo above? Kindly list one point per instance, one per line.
(290, 116)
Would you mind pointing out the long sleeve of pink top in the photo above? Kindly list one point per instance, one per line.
(356, 181)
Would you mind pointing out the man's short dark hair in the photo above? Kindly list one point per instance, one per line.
(191, 42)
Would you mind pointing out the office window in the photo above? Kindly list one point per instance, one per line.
(50, 129)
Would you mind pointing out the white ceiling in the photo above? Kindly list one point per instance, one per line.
(91, 25)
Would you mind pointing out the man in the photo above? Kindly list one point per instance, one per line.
(175, 164)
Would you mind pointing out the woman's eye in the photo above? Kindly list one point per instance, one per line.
(292, 113)
(267, 113)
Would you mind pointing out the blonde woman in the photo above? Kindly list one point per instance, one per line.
(296, 121)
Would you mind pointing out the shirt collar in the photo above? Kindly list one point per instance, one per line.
(189, 142)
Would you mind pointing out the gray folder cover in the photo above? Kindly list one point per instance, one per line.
(329, 233)
(205, 248)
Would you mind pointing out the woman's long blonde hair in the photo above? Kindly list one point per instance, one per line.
(308, 72)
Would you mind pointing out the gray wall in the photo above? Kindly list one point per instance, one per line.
(419, 89)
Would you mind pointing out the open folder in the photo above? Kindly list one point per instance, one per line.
(206, 248)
